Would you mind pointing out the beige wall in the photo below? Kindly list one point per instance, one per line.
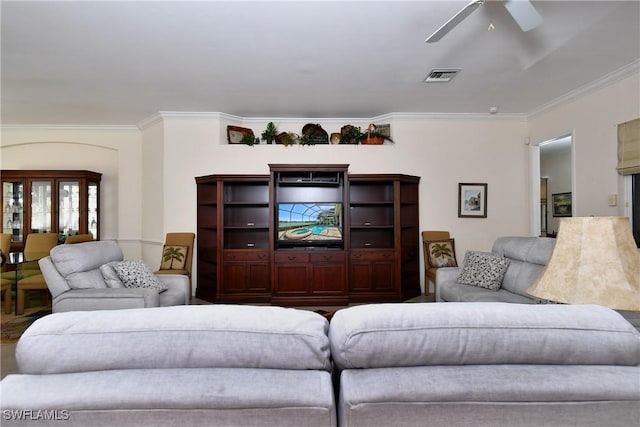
(149, 188)
(593, 118)
(114, 152)
(443, 152)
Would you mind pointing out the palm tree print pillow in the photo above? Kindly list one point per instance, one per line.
(173, 257)
(441, 253)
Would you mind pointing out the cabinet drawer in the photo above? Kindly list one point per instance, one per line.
(243, 239)
(372, 238)
(372, 255)
(246, 255)
(327, 257)
(291, 257)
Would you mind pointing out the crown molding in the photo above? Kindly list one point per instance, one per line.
(460, 116)
(70, 127)
(162, 115)
(613, 77)
(324, 120)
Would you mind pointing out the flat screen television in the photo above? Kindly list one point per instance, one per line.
(309, 225)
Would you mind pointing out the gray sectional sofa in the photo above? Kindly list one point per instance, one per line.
(485, 364)
(456, 364)
(527, 258)
(174, 366)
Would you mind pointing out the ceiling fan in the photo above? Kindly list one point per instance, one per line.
(522, 11)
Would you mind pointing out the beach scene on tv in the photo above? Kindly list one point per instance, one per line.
(309, 221)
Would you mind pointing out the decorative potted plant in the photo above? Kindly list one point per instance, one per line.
(351, 134)
(250, 139)
(270, 133)
(354, 135)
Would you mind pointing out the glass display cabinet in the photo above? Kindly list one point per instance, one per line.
(50, 201)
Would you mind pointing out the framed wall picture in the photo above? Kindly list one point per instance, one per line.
(561, 204)
(472, 200)
(235, 134)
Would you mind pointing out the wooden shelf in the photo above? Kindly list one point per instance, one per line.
(239, 259)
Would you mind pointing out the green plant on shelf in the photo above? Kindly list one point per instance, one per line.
(270, 133)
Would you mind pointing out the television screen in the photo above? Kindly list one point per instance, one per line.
(309, 224)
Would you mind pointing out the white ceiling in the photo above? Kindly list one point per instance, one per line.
(118, 63)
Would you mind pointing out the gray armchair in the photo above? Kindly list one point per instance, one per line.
(76, 281)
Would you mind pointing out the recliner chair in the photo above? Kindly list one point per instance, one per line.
(75, 275)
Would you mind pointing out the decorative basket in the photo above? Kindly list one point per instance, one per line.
(372, 140)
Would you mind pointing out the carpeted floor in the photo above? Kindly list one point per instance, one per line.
(12, 329)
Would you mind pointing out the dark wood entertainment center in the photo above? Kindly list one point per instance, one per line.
(362, 247)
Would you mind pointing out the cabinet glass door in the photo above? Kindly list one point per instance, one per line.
(40, 207)
(68, 208)
(92, 218)
(13, 209)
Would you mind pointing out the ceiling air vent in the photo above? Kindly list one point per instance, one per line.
(441, 75)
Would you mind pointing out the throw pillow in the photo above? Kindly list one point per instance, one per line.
(441, 253)
(136, 274)
(483, 269)
(173, 257)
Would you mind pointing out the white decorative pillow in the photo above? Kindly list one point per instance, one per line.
(483, 269)
(136, 274)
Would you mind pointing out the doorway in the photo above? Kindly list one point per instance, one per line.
(552, 173)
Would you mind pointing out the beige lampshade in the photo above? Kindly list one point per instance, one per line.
(595, 261)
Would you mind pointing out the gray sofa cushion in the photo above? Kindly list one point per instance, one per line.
(388, 335)
(86, 256)
(91, 279)
(453, 291)
(528, 257)
(222, 336)
(110, 276)
(490, 396)
(177, 397)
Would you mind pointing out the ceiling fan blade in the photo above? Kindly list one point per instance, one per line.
(524, 14)
(455, 20)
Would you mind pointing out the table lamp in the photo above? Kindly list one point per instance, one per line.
(595, 261)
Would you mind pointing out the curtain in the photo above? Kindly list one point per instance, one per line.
(629, 147)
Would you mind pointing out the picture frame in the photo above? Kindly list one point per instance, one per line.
(235, 134)
(562, 204)
(472, 200)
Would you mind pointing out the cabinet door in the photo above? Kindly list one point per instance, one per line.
(93, 203)
(292, 273)
(234, 277)
(240, 277)
(328, 279)
(40, 211)
(373, 271)
(258, 274)
(13, 210)
(328, 273)
(245, 271)
(291, 279)
(68, 207)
